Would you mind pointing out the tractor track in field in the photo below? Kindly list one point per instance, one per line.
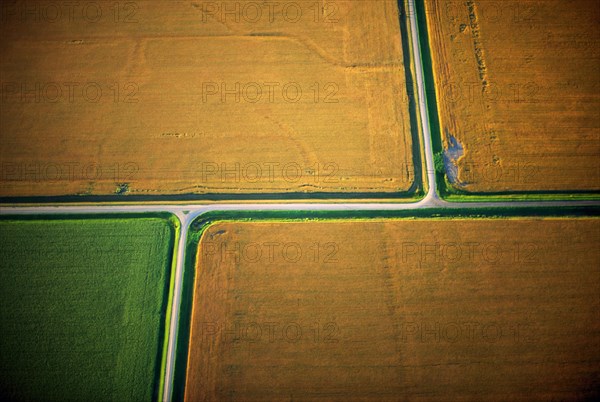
(188, 213)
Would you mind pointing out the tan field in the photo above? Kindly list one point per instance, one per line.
(397, 310)
(518, 86)
(176, 97)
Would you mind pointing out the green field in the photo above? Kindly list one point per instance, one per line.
(82, 308)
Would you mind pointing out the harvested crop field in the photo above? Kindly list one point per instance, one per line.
(181, 97)
(83, 308)
(429, 309)
(518, 93)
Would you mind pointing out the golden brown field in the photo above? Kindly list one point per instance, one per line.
(518, 86)
(174, 97)
(459, 309)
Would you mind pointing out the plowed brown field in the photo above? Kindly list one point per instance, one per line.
(419, 309)
(518, 86)
(174, 97)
